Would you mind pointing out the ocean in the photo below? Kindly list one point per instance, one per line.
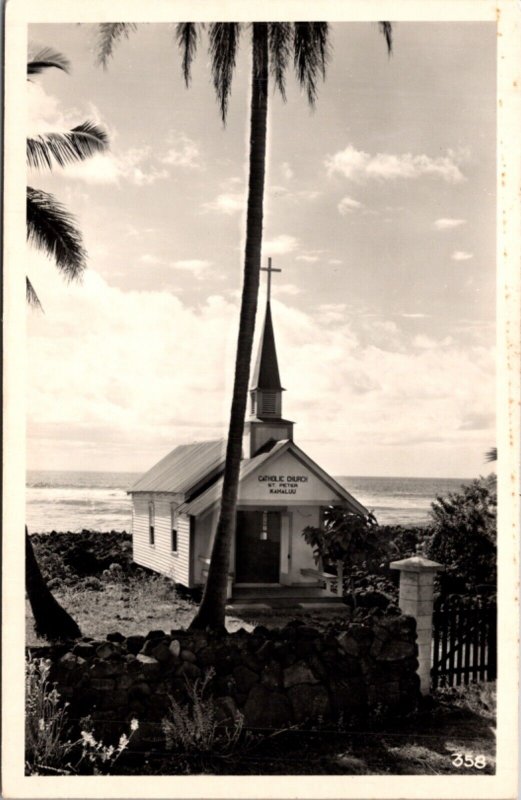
(73, 501)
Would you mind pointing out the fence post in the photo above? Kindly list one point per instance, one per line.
(416, 599)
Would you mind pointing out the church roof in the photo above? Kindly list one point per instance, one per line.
(266, 373)
(213, 494)
(183, 468)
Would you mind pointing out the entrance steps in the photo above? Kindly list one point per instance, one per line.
(281, 596)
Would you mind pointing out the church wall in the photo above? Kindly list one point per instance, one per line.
(302, 553)
(159, 556)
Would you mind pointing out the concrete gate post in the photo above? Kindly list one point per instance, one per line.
(416, 599)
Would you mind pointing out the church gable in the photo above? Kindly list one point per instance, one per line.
(286, 479)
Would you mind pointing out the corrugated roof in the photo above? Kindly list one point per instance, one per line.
(212, 495)
(183, 468)
(266, 372)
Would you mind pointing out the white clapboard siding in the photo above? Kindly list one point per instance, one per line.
(159, 556)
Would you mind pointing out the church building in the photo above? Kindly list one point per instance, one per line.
(175, 505)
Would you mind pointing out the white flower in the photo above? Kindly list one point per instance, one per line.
(88, 738)
(134, 725)
(41, 724)
(123, 741)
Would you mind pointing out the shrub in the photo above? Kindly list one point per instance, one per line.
(462, 536)
(48, 748)
(197, 727)
(45, 722)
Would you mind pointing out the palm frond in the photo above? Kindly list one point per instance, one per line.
(81, 142)
(52, 229)
(310, 55)
(224, 43)
(31, 296)
(279, 44)
(108, 34)
(186, 35)
(45, 59)
(386, 29)
(491, 455)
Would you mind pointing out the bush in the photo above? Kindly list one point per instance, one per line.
(197, 728)
(462, 537)
(48, 748)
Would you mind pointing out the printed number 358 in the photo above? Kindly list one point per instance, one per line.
(468, 760)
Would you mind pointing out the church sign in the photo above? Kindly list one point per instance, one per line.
(282, 484)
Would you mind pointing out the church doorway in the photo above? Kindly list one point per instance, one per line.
(257, 547)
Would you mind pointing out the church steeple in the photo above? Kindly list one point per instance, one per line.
(266, 423)
(266, 390)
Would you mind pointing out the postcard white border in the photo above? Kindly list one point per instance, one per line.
(507, 14)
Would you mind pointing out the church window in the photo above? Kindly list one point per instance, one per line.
(151, 523)
(173, 529)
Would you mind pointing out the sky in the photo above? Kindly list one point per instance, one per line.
(379, 209)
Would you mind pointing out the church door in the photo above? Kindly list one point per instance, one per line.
(257, 547)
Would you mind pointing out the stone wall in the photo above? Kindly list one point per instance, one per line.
(276, 678)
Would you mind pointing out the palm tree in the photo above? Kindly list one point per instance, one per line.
(491, 455)
(52, 229)
(273, 45)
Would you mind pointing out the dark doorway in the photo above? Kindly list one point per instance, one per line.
(257, 559)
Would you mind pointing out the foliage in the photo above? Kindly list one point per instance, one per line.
(50, 227)
(462, 536)
(48, 748)
(45, 721)
(196, 728)
(356, 540)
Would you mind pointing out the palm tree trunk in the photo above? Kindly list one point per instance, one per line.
(51, 621)
(211, 612)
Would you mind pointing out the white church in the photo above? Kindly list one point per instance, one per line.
(175, 505)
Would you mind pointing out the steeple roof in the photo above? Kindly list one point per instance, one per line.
(266, 374)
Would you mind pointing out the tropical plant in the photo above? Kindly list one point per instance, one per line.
(53, 230)
(350, 543)
(463, 534)
(491, 455)
(273, 46)
(50, 227)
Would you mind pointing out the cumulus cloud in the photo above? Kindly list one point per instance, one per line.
(359, 166)
(196, 266)
(446, 223)
(347, 205)
(414, 316)
(227, 203)
(280, 245)
(185, 356)
(182, 152)
(461, 255)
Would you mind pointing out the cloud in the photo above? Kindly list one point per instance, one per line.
(446, 223)
(194, 265)
(427, 342)
(335, 261)
(348, 204)
(182, 152)
(415, 316)
(134, 166)
(227, 203)
(359, 166)
(461, 255)
(148, 258)
(288, 288)
(280, 245)
(393, 398)
(308, 259)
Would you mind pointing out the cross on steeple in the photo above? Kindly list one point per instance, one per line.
(269, 269)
